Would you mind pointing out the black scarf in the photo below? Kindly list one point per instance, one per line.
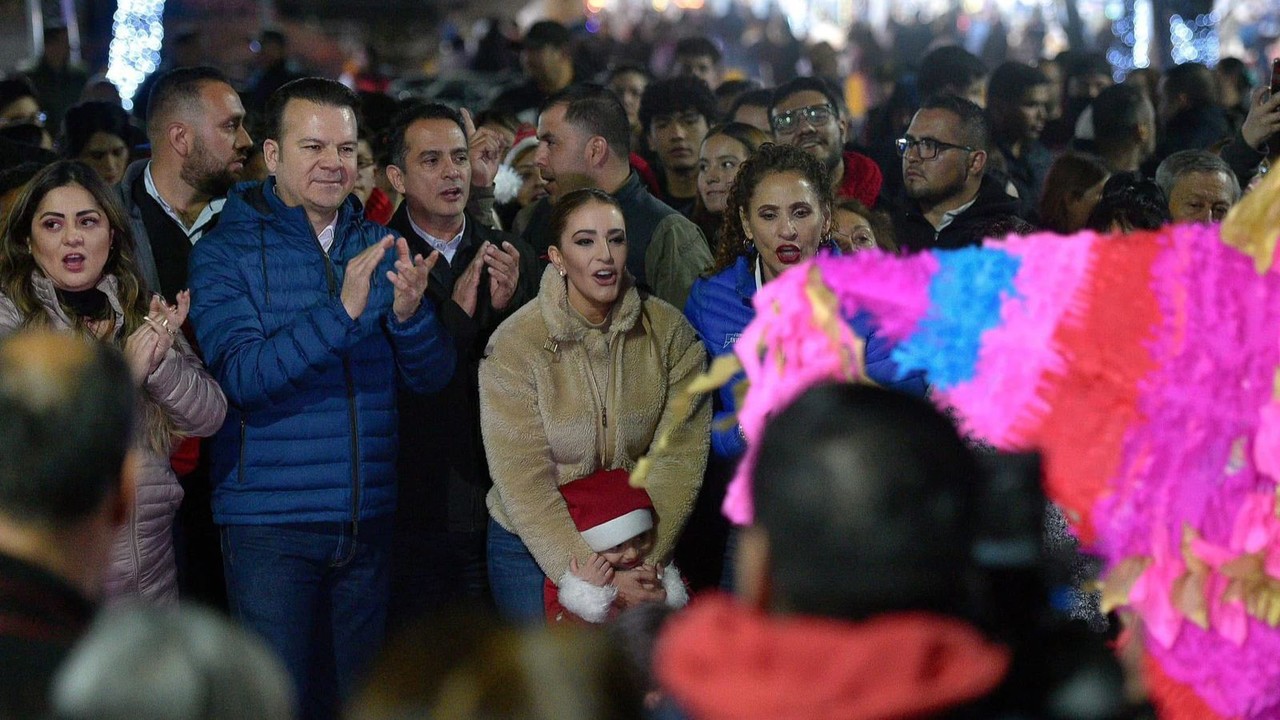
(88, 304)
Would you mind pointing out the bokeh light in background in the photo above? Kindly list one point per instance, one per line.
(136, 37)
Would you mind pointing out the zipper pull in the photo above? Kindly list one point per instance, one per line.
(604, 418)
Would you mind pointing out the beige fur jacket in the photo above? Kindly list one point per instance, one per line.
(548, 416)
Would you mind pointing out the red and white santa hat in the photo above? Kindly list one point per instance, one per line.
(606, 509)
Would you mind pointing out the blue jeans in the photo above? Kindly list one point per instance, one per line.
(317, 593)
(515, 578)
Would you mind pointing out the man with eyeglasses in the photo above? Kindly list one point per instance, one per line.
(805, 112)
(950, 202)
(675, 115)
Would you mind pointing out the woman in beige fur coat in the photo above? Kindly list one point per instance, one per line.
(581, 380)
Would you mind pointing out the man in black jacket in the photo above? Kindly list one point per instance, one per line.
(950, 202)
(484, 275)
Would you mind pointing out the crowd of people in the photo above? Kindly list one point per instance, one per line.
(332, 361)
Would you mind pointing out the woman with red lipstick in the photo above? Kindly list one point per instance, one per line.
(66, 262)
(577, 382)
(778, 214)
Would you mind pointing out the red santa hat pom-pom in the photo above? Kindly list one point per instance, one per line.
(606, 509)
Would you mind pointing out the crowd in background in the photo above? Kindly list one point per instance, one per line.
(398, 347)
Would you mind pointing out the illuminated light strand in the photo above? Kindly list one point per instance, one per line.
(1194, 39)
(137, 33)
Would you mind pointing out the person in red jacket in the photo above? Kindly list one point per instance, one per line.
(855, 585)
(806, 112)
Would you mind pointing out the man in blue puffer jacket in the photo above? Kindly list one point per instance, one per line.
(306, 315)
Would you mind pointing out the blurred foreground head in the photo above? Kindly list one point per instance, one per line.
(865, 502)
(188, 663)
(67, 405)
(464, 667)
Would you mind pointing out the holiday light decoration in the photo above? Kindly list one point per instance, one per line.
(137, 34)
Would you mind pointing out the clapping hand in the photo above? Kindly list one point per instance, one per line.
(504, 273)
(146, 346)
(410, 279)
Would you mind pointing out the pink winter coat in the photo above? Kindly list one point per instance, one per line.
(142, 562)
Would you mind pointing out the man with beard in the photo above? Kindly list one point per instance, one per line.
(583, 141)
(199, 145)
(805, 112)
(1018, 107)
(675, 114)
(950, 203)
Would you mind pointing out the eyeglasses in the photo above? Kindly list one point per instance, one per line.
(38, 119)
(789, 122)
(927, 147)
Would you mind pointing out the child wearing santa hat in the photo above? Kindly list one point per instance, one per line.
(616, 520)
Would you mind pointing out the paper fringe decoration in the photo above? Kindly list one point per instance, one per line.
(1143, 367)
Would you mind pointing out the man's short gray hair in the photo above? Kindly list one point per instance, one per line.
(184, 663)
(1194, 161)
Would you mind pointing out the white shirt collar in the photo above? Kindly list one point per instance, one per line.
(326, 235)
(949, 216)
(447, 248)
(196, 230)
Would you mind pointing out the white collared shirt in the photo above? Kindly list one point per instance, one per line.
(196, 230)
(326, 235)
(447, 249)
(949, 216)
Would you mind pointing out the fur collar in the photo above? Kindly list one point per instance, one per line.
(565, 325)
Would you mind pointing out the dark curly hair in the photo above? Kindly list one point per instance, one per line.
(769, 159)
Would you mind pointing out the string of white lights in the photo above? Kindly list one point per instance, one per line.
(136, 36)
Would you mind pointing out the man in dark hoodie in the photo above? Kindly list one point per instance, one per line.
(1189, 110)
(950, 202)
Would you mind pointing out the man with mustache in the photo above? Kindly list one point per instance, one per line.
(806, 112)
(483, 276)
(675, 114)
(950, 200)
(199, 145)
